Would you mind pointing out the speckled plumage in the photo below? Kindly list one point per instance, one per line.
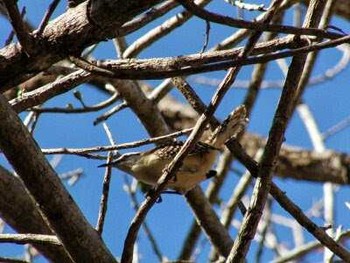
(168, 151)
(148, 166)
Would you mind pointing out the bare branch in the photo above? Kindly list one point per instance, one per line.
(287, 204)
(149, 16)
(47, 16)
(132, 193)
(12, 260)
(30, 238)
(50, 90)
(104, 198)
(209, 221)
(159, 68)
(160, 31)
(25, 38)
(225, 20)
(83, 22)
(75, 233)
(28, 219)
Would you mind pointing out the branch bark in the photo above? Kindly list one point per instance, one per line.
(86, 24)
(76, 234)
(19, 210)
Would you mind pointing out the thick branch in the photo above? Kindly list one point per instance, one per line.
(27, 219)
(301, 164)
(77, 236)
(88, 23)
(209, 221)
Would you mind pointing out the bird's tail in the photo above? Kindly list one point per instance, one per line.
(232, 126)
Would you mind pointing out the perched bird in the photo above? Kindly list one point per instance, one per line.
(148, 166)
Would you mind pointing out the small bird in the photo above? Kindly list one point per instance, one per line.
(148, 166)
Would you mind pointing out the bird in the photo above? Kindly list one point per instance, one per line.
(148, 166)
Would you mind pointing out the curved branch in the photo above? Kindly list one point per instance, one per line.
(225, 20)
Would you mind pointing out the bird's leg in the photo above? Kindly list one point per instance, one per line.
(160, 199)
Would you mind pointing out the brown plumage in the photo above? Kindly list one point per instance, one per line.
(148, 166)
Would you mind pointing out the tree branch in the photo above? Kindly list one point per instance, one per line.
(30, 238)
(287, 204)
(20, 211)
(76, 234)
(88, 23)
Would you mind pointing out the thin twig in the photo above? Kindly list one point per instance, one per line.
(47, 16)
(30, 238)
(104, 197)
(120, 45)
(319, 16)
(72, 176)
(247, 6)
(319, 146)
(327, 75)
(258, 26)
(84, 109)
(144, 19)
(259, 196)
(207, 34)
(241, 188)
(264, 231)
(50, 90)
(302, 251)
(80, 151)
(105, 116)
(23, 34)
(131, 191)
(161, 90)
(12, 33)
(106, 185)
(160, 31)
(340, 126)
